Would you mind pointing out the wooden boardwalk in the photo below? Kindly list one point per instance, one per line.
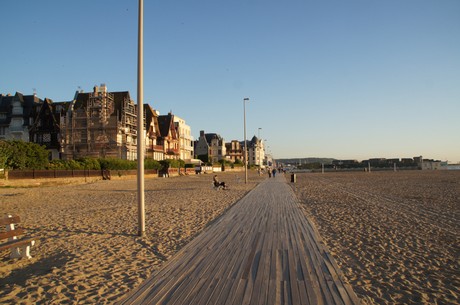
(261, 251)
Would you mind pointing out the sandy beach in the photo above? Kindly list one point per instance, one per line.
(87, 251)
(395, 235)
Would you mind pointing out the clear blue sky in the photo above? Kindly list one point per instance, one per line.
(351, 79)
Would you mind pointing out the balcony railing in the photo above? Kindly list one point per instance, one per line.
(172, 151)
(158, 147)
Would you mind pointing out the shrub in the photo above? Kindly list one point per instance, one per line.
(18, 154)
(151, 164)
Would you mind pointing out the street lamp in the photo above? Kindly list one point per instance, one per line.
(246, 99)
(140, 123)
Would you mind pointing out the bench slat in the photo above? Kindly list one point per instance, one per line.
(9, 220)
(15, 243)
(8, 234)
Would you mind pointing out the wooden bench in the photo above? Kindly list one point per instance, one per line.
(20, 247)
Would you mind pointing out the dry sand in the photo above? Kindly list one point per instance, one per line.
(88, 251)
(395, 235)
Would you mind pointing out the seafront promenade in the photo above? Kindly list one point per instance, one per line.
(261, 251)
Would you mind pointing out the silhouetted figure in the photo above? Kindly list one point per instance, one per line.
(218, 184)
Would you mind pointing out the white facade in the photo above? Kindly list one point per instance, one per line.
(256, 152)
(185, 138)
(431, 165)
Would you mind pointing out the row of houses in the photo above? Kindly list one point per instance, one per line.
(103, 124)
(94, 124)
(416, 162)
(213, 147)
(379, 162)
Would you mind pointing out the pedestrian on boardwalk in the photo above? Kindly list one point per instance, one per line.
(274, 172)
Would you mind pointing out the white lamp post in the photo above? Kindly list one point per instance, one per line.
(140, 123)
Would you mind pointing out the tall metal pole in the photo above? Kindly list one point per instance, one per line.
(245, 143)
(140, 123)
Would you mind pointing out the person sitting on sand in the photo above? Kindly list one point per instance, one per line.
(218, 184)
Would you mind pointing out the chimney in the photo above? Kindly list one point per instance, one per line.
(103, 88)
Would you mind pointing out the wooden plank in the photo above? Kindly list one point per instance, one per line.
(223, 274)
(12, 233)
(16, 243)
(237, 298)
(294, 289)
(262, 251)
(9, 220)
(264, 284)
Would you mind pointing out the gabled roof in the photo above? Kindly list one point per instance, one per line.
(118, 98)
(150, 113)
(28, 102)
(166, 124)
(254, 140)
(82, 99)
(5, 102)
(47, 104)
(64, 106)
(211, 136)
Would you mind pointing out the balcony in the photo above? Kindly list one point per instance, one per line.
(158, 147)
(172, 151)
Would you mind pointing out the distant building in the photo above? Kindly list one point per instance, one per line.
(45, 129)
(95, 124)
(407, 161)
(256, 152)
(169, 138)
(345, 162)
(391, 162)
(17, 114)
(211, 145)
(418, 160)
(100, 124)
(430, 164)
(234, 151)
(153, 149)
(185, 138)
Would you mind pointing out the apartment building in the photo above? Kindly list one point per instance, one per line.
(185, 138)
(17, 113)
(100, 124)
(212, 145)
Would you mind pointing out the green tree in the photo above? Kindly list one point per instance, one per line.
(5, 153)
(24, 155)
(151, 164)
